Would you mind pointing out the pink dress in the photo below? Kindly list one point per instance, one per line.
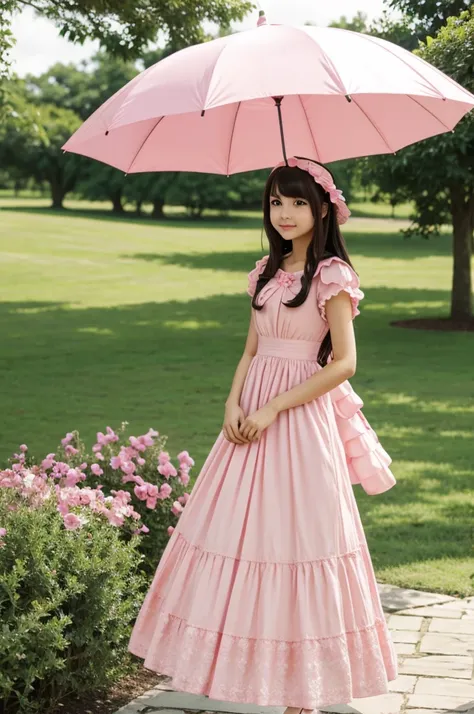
(265, 592)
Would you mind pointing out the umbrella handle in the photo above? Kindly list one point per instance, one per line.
(277, 101)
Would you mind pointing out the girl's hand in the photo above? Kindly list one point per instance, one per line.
(234, 416)
(255, 423)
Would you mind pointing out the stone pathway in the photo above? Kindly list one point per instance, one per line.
(434, 638)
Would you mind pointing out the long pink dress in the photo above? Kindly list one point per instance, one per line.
(265, 592)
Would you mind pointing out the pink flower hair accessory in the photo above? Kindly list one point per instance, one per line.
(322, 176)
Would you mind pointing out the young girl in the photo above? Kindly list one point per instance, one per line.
(265, 592)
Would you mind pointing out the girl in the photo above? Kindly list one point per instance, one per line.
(265, 592)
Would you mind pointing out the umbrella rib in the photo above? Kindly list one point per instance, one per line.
(448, 128)
(232, 137)
(144, 142)
(373, 124)
(318, 155)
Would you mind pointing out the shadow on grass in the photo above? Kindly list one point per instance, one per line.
(170, 365)
(389, 246)
(233, 221)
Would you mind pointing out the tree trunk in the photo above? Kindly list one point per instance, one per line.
(138, 207)
(57, 194)
(116, 198)
(462, 212)
(158, 205)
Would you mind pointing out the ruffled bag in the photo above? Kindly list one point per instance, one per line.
(367, 461)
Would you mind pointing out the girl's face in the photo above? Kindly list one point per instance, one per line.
(292, 217)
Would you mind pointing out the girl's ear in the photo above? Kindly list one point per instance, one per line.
(324, 210)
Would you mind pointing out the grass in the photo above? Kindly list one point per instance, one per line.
(105, 320)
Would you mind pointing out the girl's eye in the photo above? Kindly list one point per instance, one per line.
(299, 200)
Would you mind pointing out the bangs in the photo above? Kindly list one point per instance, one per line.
(288, 183)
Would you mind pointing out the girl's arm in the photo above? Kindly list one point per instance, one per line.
(250, 350)
(343, 365)
(234, 415)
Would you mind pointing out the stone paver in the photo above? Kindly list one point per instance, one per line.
(438, 666)
(385, 704)
(403, 683)
(435, 611)
(455, 627)
(440, 643)
(444, 686)
(433, 636)
(412, 637)
(400, 622)
(404, 648)
(394, 598)
(435, 711)
(433, 701)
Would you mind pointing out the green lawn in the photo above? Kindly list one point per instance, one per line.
(105, 320)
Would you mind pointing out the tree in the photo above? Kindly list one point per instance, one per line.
(125, 27)
(83, 88)
(438, 173)
(359, 23)
(398, 31)
(428, 16)
(31, 138)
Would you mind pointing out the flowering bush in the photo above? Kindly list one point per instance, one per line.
(68, 601)
(128, 484)
(80, 538)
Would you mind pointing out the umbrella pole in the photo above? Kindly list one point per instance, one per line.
(280, 121)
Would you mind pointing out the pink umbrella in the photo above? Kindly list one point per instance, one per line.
(211, 107)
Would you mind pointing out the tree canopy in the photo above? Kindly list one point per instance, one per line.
(125, 27)
(438, 173)
(428, 16)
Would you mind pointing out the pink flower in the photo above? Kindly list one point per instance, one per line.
(165, 490)
(71, 450)
(71, 521)
(177, 508)
(170, 530)
(164, 457)
(73, 477)
(184, 458)
(167, 469)
(151, 503)
(23, 447)
(115, 462)
(184, 478)
(3, 532)
(142, 442)
(115, 519)
(141, 492)
(96, 470)
(48, 462)
(67, 438)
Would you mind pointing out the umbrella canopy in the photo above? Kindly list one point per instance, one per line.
(245, 101)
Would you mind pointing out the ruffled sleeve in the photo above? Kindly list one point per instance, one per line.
(254, 275)
(336, 275)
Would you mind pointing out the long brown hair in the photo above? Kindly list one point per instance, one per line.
(326, 241)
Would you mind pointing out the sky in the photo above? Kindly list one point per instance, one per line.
(39, 45)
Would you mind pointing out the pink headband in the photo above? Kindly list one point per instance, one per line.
(324, 178)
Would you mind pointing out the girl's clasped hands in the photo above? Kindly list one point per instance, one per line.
(240, 429)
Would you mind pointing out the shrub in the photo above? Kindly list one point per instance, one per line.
(76, 557)
(68, 599)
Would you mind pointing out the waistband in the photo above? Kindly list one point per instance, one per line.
(291, 349)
